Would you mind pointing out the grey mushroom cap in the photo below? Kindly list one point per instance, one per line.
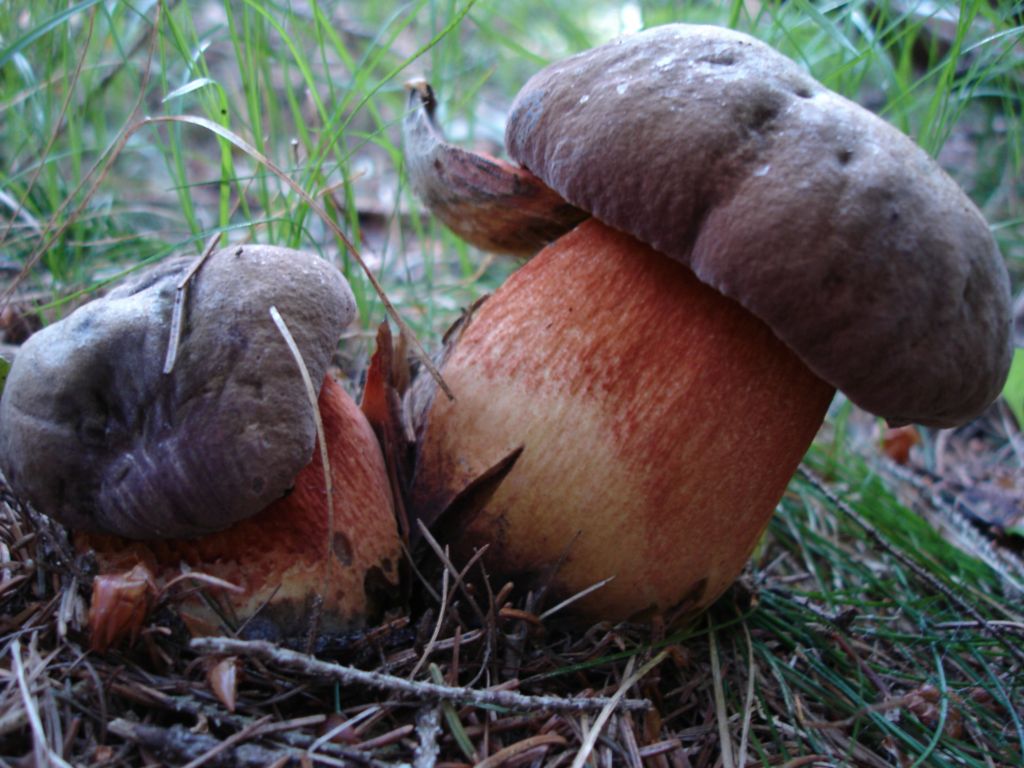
(820, 218)
(96, 435)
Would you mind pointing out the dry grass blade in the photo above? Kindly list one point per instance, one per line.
(43, 750)
(512, 751)
(748, 707)
(441, 618)
(573, 598)
(311, 394)
(432, 542)
(721, 714)
(630, 679)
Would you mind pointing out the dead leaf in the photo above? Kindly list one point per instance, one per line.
(382, 406)
(223, 680)
(897, 442)
(120, 603)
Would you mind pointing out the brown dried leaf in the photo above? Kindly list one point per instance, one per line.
(897, 442)
(120, 602)
(223, 679)
(382, 406)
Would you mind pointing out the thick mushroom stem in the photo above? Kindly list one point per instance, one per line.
(296, 560)
(660, 423)
(486, 201)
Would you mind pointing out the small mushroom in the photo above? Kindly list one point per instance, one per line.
(209, 466)
(296, 560)
(756, 241)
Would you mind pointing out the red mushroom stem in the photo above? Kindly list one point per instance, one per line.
(651, 409)
(617, 414)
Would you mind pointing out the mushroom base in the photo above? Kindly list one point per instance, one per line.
(291, 561)
(660, 424)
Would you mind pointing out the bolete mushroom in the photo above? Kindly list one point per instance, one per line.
(209, 467)
(294, 551)
(756, 241)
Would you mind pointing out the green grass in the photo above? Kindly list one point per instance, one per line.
(864, 623)
(89, 188)
(320, 93)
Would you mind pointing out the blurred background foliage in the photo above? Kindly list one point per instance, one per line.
(89, 187)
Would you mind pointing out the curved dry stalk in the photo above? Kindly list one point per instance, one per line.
(321, 436)
(488, 202)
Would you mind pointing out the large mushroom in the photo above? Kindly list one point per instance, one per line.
(207, 465)
(756, 241)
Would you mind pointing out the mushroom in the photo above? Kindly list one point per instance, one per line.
(208, 467)
(291, 553)
(755, 242)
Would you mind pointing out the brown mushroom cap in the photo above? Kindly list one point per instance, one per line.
(94, 434)
(827, 223)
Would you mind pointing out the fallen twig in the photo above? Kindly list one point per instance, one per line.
(178, 744)
(181, 744)
(221, 747)
(414, 689)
